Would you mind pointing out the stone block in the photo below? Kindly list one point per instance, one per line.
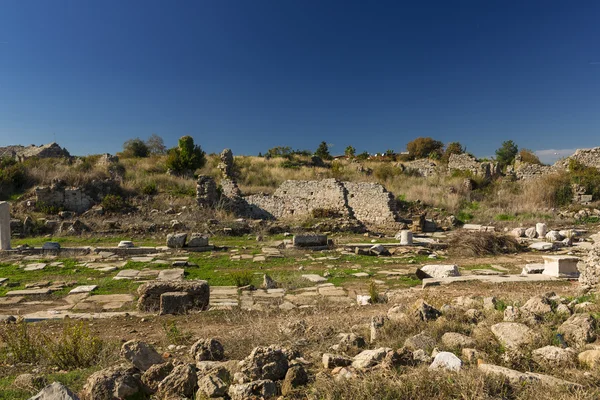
(175, 303)
(310, 240)
(561, 266)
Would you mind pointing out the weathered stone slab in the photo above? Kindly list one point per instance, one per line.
(541, 246)
(314, 278)
(533, 269)
(30, 292)
(144, 259)
(127, 274)
(34, 267)
(175, 274)
(440, 271)
(84, 289)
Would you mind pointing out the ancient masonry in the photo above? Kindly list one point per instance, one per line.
(21, 153)
(70, 199)
(368, 203)
(468, 163)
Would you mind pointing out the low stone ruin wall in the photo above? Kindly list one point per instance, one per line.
(466, 162)
(369, 203)
(21, 153)
(69, 199)
(588, 157)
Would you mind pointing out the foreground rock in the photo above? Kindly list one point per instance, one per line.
(519, 378)
(446, 360)
(196, 296)
(513, 334)
(55, 391)
(181, 382)
(370, 358)
(207, 350)
(579, 329)
(140, 354)
(262, 389)
(115, 382)
(268, 363)
(554, 357)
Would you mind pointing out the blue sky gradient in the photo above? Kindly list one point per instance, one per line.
(251, 75)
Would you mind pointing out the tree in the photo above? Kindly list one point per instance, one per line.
(452, 148)
(135, 148)
(424, 147)
(506, 154)
(528, 156)
(350, 151)
(323, 151)
(186, 157)
(156, 145)
(363, 156)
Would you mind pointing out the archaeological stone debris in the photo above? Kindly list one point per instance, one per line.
(4, 226)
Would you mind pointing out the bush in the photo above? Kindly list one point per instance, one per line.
(135, 148)
(150, 189)
(113, 202)
(242, 278)
(589, 177)
(424, 147)
(528, 156)
(76, 348)
(186, 158)
(13, 177)
(20, 345)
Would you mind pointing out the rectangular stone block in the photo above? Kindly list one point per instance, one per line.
(310, 240)
(4, 226)
(561, 266)
(175, 303)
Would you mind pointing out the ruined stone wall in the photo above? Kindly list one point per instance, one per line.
(524, 171)
(300, 198)
(588, 157)
(424, 167)
(69, 199)
(466, 162)
(369, 203)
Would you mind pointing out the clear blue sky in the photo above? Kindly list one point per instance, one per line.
(253, 74)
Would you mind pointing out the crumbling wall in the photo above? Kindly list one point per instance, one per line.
(466, 162)
(300, 198)
(369, 203)
(67, 198)
(588, 157)
(423, 167)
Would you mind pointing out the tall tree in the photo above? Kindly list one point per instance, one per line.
(423, 147)
(156, 145)
(323, 151)
(350, 151)
(135, 148)
(506, 154)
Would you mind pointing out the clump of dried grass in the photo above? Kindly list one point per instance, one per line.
(473, 244)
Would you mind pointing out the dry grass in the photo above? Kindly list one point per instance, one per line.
(473, 244)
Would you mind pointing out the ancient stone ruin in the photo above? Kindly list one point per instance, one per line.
(468, 163)
(21, 153)
(4, 226)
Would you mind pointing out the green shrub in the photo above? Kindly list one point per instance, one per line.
(113, 202)
(13, 177)
(150, 188)
(242, 278)
(48, 209)
(20, 346)
(77, 347)
(186, 157)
